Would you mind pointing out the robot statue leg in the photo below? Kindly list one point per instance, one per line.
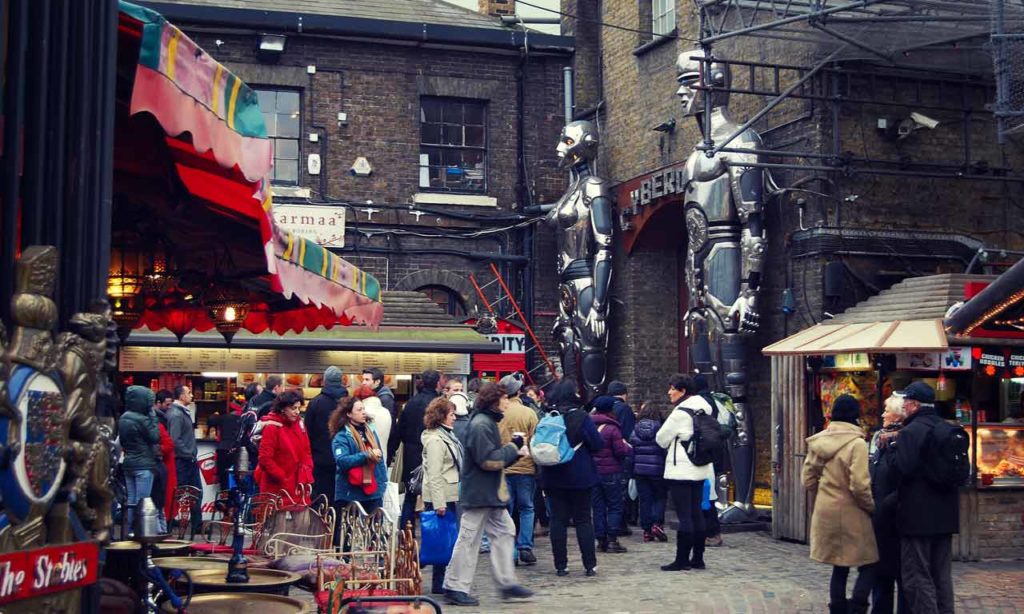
(733, 348)
(564, 332)
(593, 345)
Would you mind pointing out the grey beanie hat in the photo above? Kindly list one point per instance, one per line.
(510, 384)
(332, 376)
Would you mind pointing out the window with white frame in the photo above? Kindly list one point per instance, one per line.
(282, 116)
(453, 144)
(663, 13)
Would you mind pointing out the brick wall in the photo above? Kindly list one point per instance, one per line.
(1000, 525)
(379, 86)
(637, 91)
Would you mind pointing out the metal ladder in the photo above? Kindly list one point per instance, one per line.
(515, 306)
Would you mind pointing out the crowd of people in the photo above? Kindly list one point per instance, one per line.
(890, 508)
(465, 453)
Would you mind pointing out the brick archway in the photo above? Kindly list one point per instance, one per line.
(436, 277)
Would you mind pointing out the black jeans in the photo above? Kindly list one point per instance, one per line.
(861, 588)
(225, 459)
(323, 481)
(572, 503)
(712, 527)
(926, 568)
(686, 496)
(188, 475)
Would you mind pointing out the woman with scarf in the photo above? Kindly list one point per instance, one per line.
(285, 462)
(442, 463)
(358, 455)
(884, 484)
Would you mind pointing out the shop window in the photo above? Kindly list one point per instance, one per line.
(448, 299)
(663, 13)
(453, 144)
(282, 113)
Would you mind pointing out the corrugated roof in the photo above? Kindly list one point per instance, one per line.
(917, 298)
(414, 11)
(872, 337)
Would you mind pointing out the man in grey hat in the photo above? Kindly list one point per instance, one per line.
(317, 415)
(521, 476)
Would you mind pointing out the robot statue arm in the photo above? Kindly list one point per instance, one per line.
(748, 193)
(601, 219)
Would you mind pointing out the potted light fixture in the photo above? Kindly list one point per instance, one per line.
(228, 313)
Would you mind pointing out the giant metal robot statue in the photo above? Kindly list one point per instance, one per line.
(725, 255)
(582, 218)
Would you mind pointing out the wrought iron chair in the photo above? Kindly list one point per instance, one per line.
(183, 500)
(218, 531)
(298, 529)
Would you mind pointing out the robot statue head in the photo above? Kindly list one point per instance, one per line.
(690, 66)
(577, 144)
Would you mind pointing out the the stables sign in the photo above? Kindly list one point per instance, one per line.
(324, 225)
(640, 198)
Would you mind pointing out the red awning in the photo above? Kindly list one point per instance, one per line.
(192, 162)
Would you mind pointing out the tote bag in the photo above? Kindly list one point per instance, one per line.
(439, 534)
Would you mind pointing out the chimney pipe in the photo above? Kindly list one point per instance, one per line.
(497, 8)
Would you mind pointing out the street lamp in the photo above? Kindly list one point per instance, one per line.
(270, 47)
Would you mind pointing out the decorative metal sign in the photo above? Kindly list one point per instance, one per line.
(33, 573)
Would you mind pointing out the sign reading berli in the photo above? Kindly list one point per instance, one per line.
(54, 569)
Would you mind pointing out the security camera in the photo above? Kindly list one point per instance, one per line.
(924, 121)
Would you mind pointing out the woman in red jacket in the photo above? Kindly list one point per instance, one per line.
(171, 475)
(285, 460)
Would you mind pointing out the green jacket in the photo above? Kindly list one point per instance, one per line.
(483, 470)
(138, 431)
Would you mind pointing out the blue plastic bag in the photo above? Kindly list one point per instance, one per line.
(439, 534)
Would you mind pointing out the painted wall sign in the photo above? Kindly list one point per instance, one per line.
(640, 198)
(660, 183)
(322, 224)
(32, 573)
(955, 359)
(510, 343)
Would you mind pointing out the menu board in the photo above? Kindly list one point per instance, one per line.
(197, 360)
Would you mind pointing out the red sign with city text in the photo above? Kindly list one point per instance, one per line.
(54, 569)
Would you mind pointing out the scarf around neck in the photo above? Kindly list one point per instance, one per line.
(362, 439)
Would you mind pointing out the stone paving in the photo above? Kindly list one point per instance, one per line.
(751, 573)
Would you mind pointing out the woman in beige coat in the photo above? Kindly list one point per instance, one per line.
(442, 463)
(836, 470)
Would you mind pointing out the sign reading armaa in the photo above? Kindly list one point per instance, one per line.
(323, 225)
(32, 573)
(658, 184)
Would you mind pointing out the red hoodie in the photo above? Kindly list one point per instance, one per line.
(285, 460)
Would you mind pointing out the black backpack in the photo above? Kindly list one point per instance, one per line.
(706, 443)
(947, 456)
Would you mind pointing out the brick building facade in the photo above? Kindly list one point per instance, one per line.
(626, 81)
(455, 114)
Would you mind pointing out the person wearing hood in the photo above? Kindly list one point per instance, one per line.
(374, 379)
(609, 495)
(685, 480)
(378, 415)
(836, 472)
(648, 471)
(315, 420)
(139, 434)
(286, 463)
(461, 403)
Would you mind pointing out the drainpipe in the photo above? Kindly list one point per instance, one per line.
(567, 92)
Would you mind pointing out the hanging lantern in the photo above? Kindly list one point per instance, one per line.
(124, 287)
(228, 314)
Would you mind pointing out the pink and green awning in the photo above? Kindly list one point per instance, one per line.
(218, 143)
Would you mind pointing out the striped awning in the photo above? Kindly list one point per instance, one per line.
(891, 337)
(218, 143)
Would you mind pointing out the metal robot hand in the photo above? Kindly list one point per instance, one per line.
(744, 312)
(595, 323)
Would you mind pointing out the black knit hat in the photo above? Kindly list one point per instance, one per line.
(846, 409)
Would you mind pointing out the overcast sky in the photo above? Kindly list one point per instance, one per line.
(523, 11)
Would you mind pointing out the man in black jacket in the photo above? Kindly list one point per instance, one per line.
(262, 402)
(929, 514)
(410, 428)
(483, 501)
(317, 415)
(374, 379)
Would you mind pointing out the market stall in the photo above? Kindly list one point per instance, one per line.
(977, 379)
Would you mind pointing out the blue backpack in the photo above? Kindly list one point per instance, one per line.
(550, 443)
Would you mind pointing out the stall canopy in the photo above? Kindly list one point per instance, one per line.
(192, 191)
(907, 317)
